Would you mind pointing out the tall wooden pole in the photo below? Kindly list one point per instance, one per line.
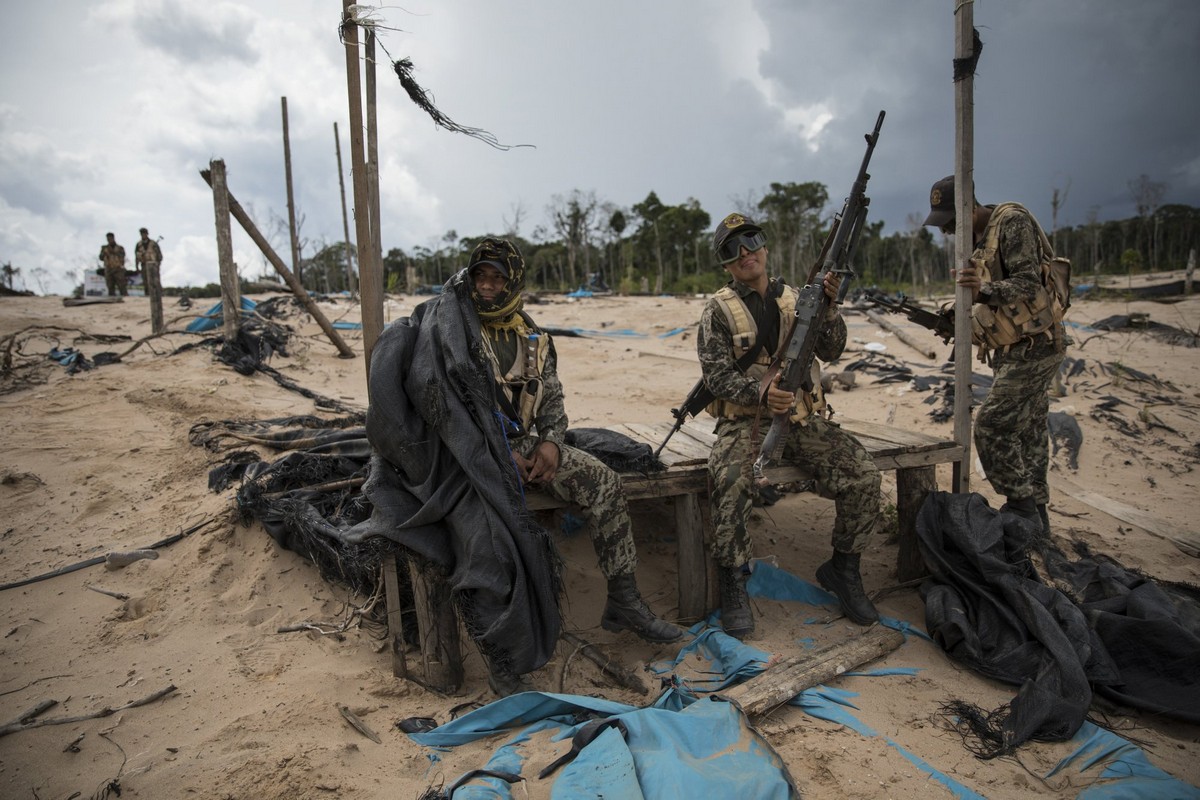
(231, 292)
(287, 171)
(370, 278)
(351, 278)
(373, 171)
(964, 197)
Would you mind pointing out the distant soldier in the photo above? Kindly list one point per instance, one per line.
(112, 256)
(146, 257)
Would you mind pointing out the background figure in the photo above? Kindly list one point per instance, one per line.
(740, 330)
(112, 256)
(1021, 335)
(147, 256)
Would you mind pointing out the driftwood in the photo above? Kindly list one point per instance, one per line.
(109, 592)
(25, 722)
(117, 560)
(794, 674)
(901, 334)
(623, 677)
(358, 724)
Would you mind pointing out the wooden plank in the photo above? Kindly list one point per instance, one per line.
(908, 438)
(1186, 541)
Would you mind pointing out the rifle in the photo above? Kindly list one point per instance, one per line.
(695, 402)
(941, 322)
(793, 362)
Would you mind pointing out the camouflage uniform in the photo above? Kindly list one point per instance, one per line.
(112, 256)
(1010, 426)
(581, 478)
(837, 460)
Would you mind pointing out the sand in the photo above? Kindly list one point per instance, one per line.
(99, 461)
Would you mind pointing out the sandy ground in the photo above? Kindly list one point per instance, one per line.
(99, 461)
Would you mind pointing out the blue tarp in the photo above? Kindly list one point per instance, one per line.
(212, 318)
(690, 743)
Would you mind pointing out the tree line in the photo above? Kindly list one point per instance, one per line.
(659, 248)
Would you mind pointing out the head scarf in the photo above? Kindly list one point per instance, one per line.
(506, 254)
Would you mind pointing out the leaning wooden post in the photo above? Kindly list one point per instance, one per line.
(964, 200)
(351, 278)
(370, 281)
(231, 292)
(287, 172)
(235, 208)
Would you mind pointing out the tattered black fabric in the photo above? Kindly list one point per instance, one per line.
(986, 608)
(442, 481)
(614, 449)
(1150, 629)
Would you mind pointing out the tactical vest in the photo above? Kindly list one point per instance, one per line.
(1000, 327)
(521, 386)
(744, 331)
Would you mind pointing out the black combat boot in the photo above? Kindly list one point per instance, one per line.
(841, 576)
(1025, 507)
(626, 610)
(737, 618)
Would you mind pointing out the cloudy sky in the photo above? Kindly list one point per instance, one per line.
(109, 109)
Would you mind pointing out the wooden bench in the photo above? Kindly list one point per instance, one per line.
(914, 456)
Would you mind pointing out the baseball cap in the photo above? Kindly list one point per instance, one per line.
(499, 265)
(941, 202)
(734, 223)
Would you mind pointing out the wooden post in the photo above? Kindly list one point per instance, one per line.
(287, 171)
(440, 654)
(913, 485)
(248, 225)
(351, 278)
(374, 309)
(1191, 269)
(391, 588)
(231, 291)
(152, 278)
(964, 197)
(370, 280)
(693, 562)
(794, 674)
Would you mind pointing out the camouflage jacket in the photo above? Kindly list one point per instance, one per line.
(1019, 262)
(714, 345)
(112, 255)
(147, 251)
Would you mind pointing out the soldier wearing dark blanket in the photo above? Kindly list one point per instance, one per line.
(530, 406)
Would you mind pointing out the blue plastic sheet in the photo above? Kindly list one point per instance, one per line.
(212, 318)
(1118, 769)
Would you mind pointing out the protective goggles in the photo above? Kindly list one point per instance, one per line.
(730, 249)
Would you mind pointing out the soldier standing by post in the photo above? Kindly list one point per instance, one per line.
(112, 256)
(147, 256)
(1018, 327)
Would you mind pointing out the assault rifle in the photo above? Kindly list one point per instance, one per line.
(793, 362)
(941, 322)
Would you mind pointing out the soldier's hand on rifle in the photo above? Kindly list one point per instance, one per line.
(831, 284)
(779, 401)
(969, 276)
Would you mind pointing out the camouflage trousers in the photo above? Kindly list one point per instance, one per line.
(836, 460)
(1010, 428)
(116, 281)
(585, 481)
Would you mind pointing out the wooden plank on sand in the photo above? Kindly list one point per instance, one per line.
(1187, 541)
